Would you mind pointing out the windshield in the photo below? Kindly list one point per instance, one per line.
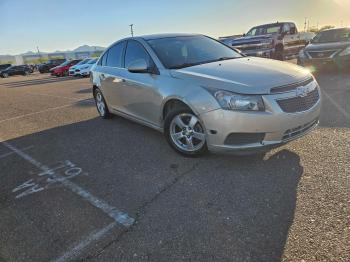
(185, 51)
(65, 63)
(336, 35)
(264, 30)
(92, 61)
(83, 61)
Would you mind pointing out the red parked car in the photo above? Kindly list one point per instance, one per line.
(62, 69)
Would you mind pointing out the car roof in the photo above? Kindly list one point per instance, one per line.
(336, 29)
(159, 36)
(271, 24)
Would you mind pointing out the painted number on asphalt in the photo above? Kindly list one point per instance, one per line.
(62, 171)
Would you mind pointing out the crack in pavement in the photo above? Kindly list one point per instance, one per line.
(141, 210)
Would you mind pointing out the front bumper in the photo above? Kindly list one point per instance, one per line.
(83, 72)
(276, 126)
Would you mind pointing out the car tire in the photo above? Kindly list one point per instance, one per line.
(5, 75)
(185, 133)
(101, 104)
(279, 55)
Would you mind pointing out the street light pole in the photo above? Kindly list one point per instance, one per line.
(132, 30)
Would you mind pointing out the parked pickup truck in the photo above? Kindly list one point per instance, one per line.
(278, 41)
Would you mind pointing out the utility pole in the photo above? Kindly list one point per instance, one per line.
(132, 30)
(37, 48)
(305, 24)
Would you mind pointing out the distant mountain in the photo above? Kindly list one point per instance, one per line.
(83, 48)
(87, 48)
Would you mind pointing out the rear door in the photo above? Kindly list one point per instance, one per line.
(111, 74)
(291, 39)
(16, 70)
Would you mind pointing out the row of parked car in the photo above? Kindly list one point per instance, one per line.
(57, 67)
(282, 41)
(7, 70)
(62, 67)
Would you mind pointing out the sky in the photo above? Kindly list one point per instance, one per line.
(67, 24)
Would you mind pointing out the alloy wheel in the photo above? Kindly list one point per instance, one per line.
(187, 132)
(101, 106)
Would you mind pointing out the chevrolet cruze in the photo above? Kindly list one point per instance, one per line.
(204, 95)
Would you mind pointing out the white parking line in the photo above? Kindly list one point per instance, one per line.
(346, 114)
(11, 153)
(75, 251)
(119, 216)
(90, 100)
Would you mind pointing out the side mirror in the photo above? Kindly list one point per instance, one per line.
(244, 34)
(138, 66)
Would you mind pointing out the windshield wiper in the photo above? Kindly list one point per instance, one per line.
(183, 65)
(226, 58)
(200, 63)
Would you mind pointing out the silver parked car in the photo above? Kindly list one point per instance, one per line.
(204, 95)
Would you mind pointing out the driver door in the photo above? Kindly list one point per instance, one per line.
(139, 93)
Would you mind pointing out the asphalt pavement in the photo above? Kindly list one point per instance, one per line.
(75, 187)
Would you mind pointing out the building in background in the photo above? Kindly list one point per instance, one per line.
(36, 58)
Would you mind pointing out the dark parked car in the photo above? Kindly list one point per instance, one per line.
(278, 41)
(328, 48)
(4, 66)
(45, 67)
(15, 70)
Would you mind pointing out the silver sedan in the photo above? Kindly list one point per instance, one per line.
(204, 95)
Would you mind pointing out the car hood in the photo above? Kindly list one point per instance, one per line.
(326, 46)
(247, 75)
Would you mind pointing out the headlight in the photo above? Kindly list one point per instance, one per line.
(232, 101)
(346, 51)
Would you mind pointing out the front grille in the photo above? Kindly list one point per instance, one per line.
(290, 87)
(290, 133)
(244, 138)
(322, 54)
(256, 45)
(299, 104)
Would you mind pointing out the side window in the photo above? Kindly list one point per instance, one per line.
(293, 29)
(115, 54)
(135, 51)
(286, 28)
(104, 59)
